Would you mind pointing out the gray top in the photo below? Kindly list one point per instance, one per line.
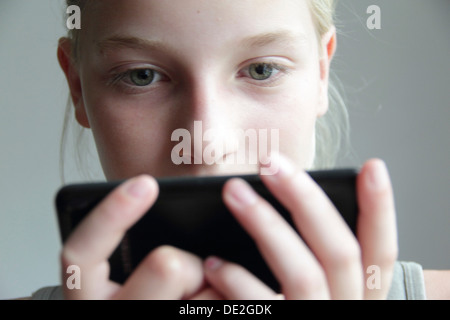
(407, 284)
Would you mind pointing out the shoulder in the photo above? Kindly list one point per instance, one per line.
(437, 284)
(407, 282)
(411, 282)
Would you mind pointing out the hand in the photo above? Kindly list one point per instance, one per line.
(166, 273)
(334, 263)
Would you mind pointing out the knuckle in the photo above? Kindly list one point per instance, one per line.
(266, 216)
(382, 199)
(166, 263)
(116, 210)
(307, 282)
(229, 274)
(112, 207)
(389, 256)
(346, 256)
(67, 257)
(303, 189)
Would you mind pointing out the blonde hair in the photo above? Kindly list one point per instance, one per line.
(332, 130)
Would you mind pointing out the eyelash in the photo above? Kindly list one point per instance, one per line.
(116, 78)
(273, 78)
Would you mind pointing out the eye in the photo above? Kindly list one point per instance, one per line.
(135, 80)
(261, 71)
(142, 77)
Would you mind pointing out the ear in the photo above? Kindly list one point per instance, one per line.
(73, 79)
(328, 48)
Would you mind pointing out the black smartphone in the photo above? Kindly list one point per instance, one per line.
(189, 214)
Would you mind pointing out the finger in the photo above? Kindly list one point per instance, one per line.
(321, 227)
(166, 273)
(208, 294)
(91, 244)
(377, 232)
(292, 263)
(234, 282)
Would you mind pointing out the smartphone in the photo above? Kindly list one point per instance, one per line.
(189, 214)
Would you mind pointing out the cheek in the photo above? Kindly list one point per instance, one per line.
(130, 139)
(297, 133)
(294, 114)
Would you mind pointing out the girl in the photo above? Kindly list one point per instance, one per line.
(138, 70)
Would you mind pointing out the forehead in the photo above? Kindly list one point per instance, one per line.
(217, 21)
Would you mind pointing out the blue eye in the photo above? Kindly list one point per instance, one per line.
(142, 77)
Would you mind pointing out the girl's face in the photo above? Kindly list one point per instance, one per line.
(150, 67)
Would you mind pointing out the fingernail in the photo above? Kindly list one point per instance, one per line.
(378, 177)
(241, 194)
(278, 166)
(213, 263)
(139, 187)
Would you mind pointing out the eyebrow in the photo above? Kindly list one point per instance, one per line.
(283, 37)
(122, 41)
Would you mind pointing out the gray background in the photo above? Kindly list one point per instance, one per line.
(397, 81)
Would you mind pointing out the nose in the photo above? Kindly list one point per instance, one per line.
(210, 119)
